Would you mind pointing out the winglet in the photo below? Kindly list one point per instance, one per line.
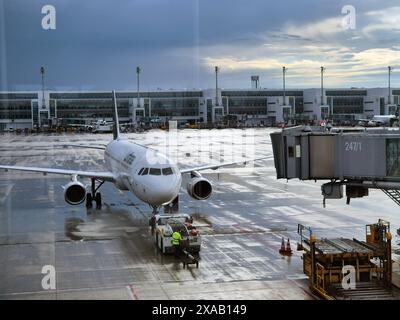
(116, 122)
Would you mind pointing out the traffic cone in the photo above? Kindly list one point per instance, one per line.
(282, 249)
(288, 248)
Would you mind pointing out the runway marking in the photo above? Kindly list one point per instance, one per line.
(132, 292)
(253, 244)
(280, 195)
(291, 210)
(303, 209)
(255, 259)
(228, 244)
(60, 291)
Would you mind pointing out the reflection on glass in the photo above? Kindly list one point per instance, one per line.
(155, 171)
(392, 157)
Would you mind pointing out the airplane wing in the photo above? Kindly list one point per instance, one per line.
(106, 176)
(100, 147)
(220, 165)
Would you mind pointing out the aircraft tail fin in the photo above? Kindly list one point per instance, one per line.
(116, 121)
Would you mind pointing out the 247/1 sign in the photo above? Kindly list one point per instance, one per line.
(353, 146)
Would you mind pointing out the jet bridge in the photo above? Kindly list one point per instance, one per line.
(357, 159)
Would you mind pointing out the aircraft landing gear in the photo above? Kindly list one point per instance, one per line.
(89, 200)
(152, 220)
(172, 207)
(98, 200)
(155, 210)
(94, 196)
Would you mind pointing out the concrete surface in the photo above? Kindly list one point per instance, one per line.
(109, 253)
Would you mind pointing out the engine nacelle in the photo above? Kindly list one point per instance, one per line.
(199, 188)
(74, 193)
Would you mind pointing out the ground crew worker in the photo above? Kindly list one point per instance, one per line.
(189, 220)
(152, 223)
(176, 242)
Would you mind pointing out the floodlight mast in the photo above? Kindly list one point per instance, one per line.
(42, 71)
(284, 69)
(216, 85)
(389, 93)
(138, 70)
(322, 85)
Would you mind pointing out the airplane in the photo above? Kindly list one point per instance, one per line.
(102, 126)
(379, 120)
(150, 175)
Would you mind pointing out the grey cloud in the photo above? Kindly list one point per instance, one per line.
(98, 43)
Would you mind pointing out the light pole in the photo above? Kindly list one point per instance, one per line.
(389, 96)
(284, 85)
(216, 85)
(42, 104)
(138, 95)
(322, 85)
(42, 74)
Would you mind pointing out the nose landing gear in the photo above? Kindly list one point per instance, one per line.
(152, 220)
(156, 209)
(94, 195)
(172, 207)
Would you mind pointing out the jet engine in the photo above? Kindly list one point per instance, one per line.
(74, 193)
(199, 188)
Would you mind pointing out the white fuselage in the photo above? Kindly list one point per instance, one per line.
(148, 174)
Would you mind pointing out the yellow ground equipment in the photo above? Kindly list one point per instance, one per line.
(192, 126)
(327, 263)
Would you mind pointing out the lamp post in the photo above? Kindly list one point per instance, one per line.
(284, 85)
(42, 74)
(138, 95)
(216, 85)
(322, 85)
(42, 104)
(389, 93)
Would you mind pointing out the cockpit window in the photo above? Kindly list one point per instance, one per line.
(145, 171)
(140, 171)
(155, 171)
(167, 171)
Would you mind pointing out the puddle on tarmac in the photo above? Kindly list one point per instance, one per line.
(108, 223)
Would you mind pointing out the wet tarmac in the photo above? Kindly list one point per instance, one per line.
(109, 253)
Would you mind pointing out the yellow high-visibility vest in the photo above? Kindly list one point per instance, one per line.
(176, 238)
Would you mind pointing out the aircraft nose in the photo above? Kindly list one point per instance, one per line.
(164, 195)
(164, 192)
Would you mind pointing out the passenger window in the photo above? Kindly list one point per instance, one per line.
(145, 171)
(140, 172)
(167, 171)
(155, 171)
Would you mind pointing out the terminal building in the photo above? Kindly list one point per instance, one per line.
(32, 109)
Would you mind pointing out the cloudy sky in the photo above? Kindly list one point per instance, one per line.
(97, 44)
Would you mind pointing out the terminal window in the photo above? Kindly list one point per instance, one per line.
(392, 157)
